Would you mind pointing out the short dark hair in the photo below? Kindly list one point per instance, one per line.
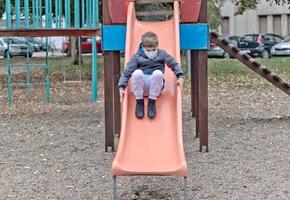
(150, 39)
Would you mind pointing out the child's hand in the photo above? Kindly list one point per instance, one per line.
(122, 93)
(180, 82)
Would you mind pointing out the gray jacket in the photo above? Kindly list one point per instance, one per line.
(140, 61)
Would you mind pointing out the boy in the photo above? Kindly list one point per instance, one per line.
(146, 69)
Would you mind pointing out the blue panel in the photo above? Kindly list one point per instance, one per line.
(192, 36)
(114, 37)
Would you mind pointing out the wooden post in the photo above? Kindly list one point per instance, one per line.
(199, 82)
(112, 103)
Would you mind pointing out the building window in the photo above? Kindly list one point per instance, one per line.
(277, 26)
(226, 26)
(263, 24)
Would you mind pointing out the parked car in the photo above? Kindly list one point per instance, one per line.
(216, 51)
(37, 43)
(16, 47)
(86, 45)
(281, 49)
(259, 45)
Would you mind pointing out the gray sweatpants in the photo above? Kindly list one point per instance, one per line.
(147, 85)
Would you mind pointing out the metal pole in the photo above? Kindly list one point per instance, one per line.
(56, 13)
(184, 189)
(87, 13)
(90, 13)
(33, 14)
(80, 58)
(17, 10)
(47, 81)
(83, 13)
(8, 13)
(77, 13)
(26, 14)
(114, 188)
(94, 58)
(50, 14)
(46, 13)
(60, 14)
(40, 13)
(10, 99)
(37, 13)
(28, 72)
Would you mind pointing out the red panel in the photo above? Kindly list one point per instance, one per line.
(190, 10)
(118, 11)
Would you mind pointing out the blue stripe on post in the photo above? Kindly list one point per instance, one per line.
(192, 36)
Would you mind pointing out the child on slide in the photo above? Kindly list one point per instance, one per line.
(146, 68)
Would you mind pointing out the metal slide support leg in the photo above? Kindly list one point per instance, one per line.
(114, 188)
(184, 189)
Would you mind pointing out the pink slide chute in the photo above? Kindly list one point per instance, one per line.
(152, 146)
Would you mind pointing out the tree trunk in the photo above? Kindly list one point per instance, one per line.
(69, 53)
(75, 51)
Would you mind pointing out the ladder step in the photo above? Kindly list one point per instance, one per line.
(25, 85)
(276, 78)
(30, 65)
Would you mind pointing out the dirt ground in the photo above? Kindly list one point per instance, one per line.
(56, 151)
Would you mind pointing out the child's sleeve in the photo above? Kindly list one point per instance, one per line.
(131, 66)
(173, 65)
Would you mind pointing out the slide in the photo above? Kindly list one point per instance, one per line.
(152, 146)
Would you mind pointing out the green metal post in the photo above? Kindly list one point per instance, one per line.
(33, 14)
(77, 13)
(94, 55)
(10, 98)
(60, 14)
(56, 13)
(67, 14)
(83, 13)
(37, 14)
(50, 14)
(87, 13)
(26, 14)
(47, 81)
(40, 12)
(8, 13)
(28, 72)
(17, 10)
(90, 13)
(46, 13)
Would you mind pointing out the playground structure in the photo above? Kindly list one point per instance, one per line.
(192, 33)
(114, 18)
(151, 147)
(45, 18)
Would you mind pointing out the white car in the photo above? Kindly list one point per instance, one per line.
(281, 49)
(16, 47)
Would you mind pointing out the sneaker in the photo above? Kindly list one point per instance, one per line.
(151, 108)
(139, 112)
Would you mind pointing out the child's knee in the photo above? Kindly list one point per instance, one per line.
(137, 74)
(157, 74)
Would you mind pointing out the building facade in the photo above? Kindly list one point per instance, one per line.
(267, 18)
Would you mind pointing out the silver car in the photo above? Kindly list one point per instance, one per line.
(281, 49)
(16, 47)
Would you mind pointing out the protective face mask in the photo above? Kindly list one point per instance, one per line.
(150, 54)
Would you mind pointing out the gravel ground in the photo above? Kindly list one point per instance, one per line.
(56, 151)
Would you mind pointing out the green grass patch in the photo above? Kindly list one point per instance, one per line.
(237, 74)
